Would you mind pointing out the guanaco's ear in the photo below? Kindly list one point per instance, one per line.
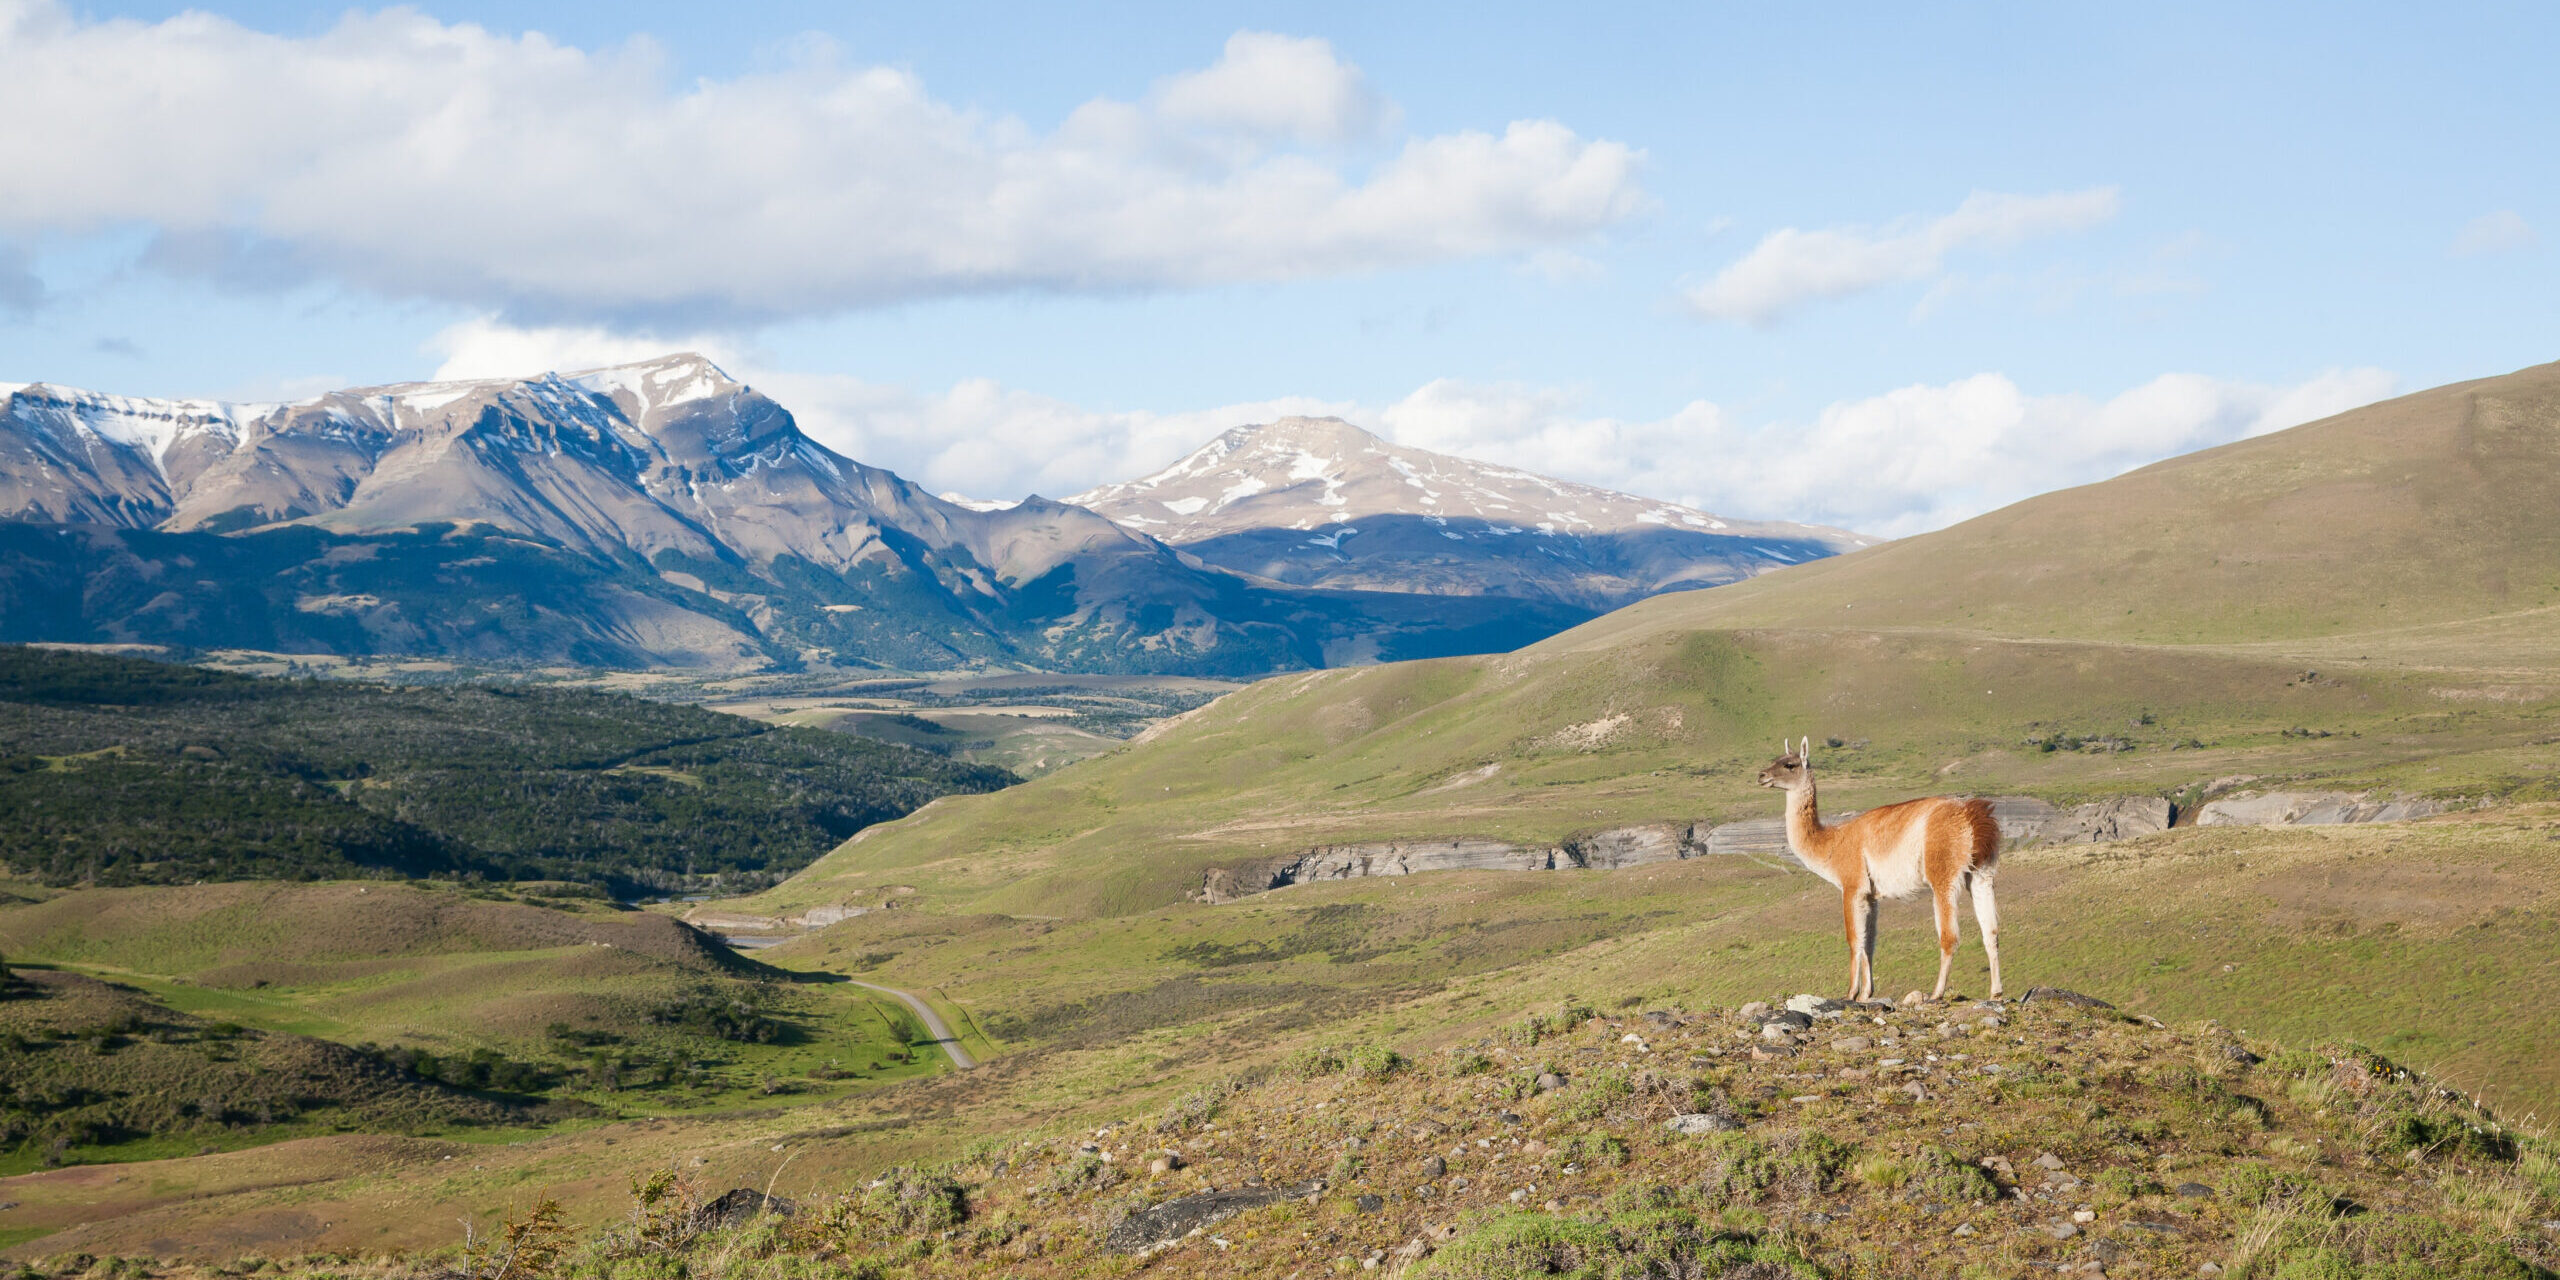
(1805, 753)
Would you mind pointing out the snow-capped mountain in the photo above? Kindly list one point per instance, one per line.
(1319, 502)
(646, 513)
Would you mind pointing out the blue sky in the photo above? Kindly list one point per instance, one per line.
(1870, 265)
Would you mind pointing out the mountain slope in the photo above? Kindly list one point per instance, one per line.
(2441, 507)
(1660, 712)
(651, 514)
(1320, 502)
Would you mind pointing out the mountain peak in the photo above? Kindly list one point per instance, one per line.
(1321, 502)
(679, 377)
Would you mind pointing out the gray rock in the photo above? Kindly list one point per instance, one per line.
(1755, 1009)
(745, 1204)
(1370, 1203)
(1173, 1219)
(2060, 996)
(2049, 1160)
(1434, 1167)
(1810, 1004)
(2118, 818)
(1629, 846)
(1751, 837)
(2022, 819)
(2311, 809)
(2061, 1230)
(1549, 1080)
(1699, 1122)
(2195, 1191)
(1852, 1044)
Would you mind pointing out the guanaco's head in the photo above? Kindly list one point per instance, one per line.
(1792, 769)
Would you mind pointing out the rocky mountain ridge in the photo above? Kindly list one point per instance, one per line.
(652, 514)
(1320, 502)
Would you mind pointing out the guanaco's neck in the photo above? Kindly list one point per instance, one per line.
(1804, 817)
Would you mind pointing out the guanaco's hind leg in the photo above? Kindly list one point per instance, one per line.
(1851, 917)
(1943, 897)
(1867, 945)
(1986, 917)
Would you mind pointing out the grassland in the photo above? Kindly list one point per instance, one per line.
(564, 1011)
(2271, 631)
(2434, 939)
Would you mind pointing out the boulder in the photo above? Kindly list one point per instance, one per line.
(1630, 846)
(1701, 1122)
(1762, 837)
(2117, 818)
(742, 1205)
(2022, 819)
(2310, 809)
(1174, 1219)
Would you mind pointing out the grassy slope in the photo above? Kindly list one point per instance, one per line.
(2429, 508)
(436, 969)
(2394, 936)
(1054, 913)
(2384, 576)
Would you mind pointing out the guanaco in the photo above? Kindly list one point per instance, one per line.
(1949, 843)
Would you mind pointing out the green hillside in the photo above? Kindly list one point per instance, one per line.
(2355, 603)
(2433, 508)
(123, 771)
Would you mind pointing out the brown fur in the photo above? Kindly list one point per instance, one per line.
(1950, 844)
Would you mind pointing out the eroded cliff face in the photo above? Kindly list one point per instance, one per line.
(2025, 821)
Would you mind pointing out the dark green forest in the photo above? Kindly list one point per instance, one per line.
(121, 771)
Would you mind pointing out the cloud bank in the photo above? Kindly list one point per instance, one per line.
(419, 159)
(1905, 461)
(1792, 266)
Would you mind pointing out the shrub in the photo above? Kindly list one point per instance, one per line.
(1193, 1109)
(1661, 1242)
(1375, 1062)
(1593, 1096)
(910, 1203)
(2121, 1185)
(1881, 1172)
(1466, 1062)
(1603, 1149)
(1085, 1169)
(1307, 1064)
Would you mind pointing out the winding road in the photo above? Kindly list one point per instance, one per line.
(933, 1023)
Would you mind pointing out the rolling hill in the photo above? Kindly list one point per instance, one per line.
(2357, 600)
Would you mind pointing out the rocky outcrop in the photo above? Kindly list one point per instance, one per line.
(1159, 1225)
(1631, 846)
(2120, 818)
(2311, 809)
(2025, 821)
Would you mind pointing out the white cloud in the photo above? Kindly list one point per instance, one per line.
(1909, 460)
(1276, 86)
(1906, 461)
(416, 158)
(1791, 266)
(2495, 232)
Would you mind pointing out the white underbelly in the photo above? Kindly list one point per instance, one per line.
(1899, 870)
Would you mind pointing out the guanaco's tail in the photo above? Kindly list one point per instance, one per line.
(1985, 832)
